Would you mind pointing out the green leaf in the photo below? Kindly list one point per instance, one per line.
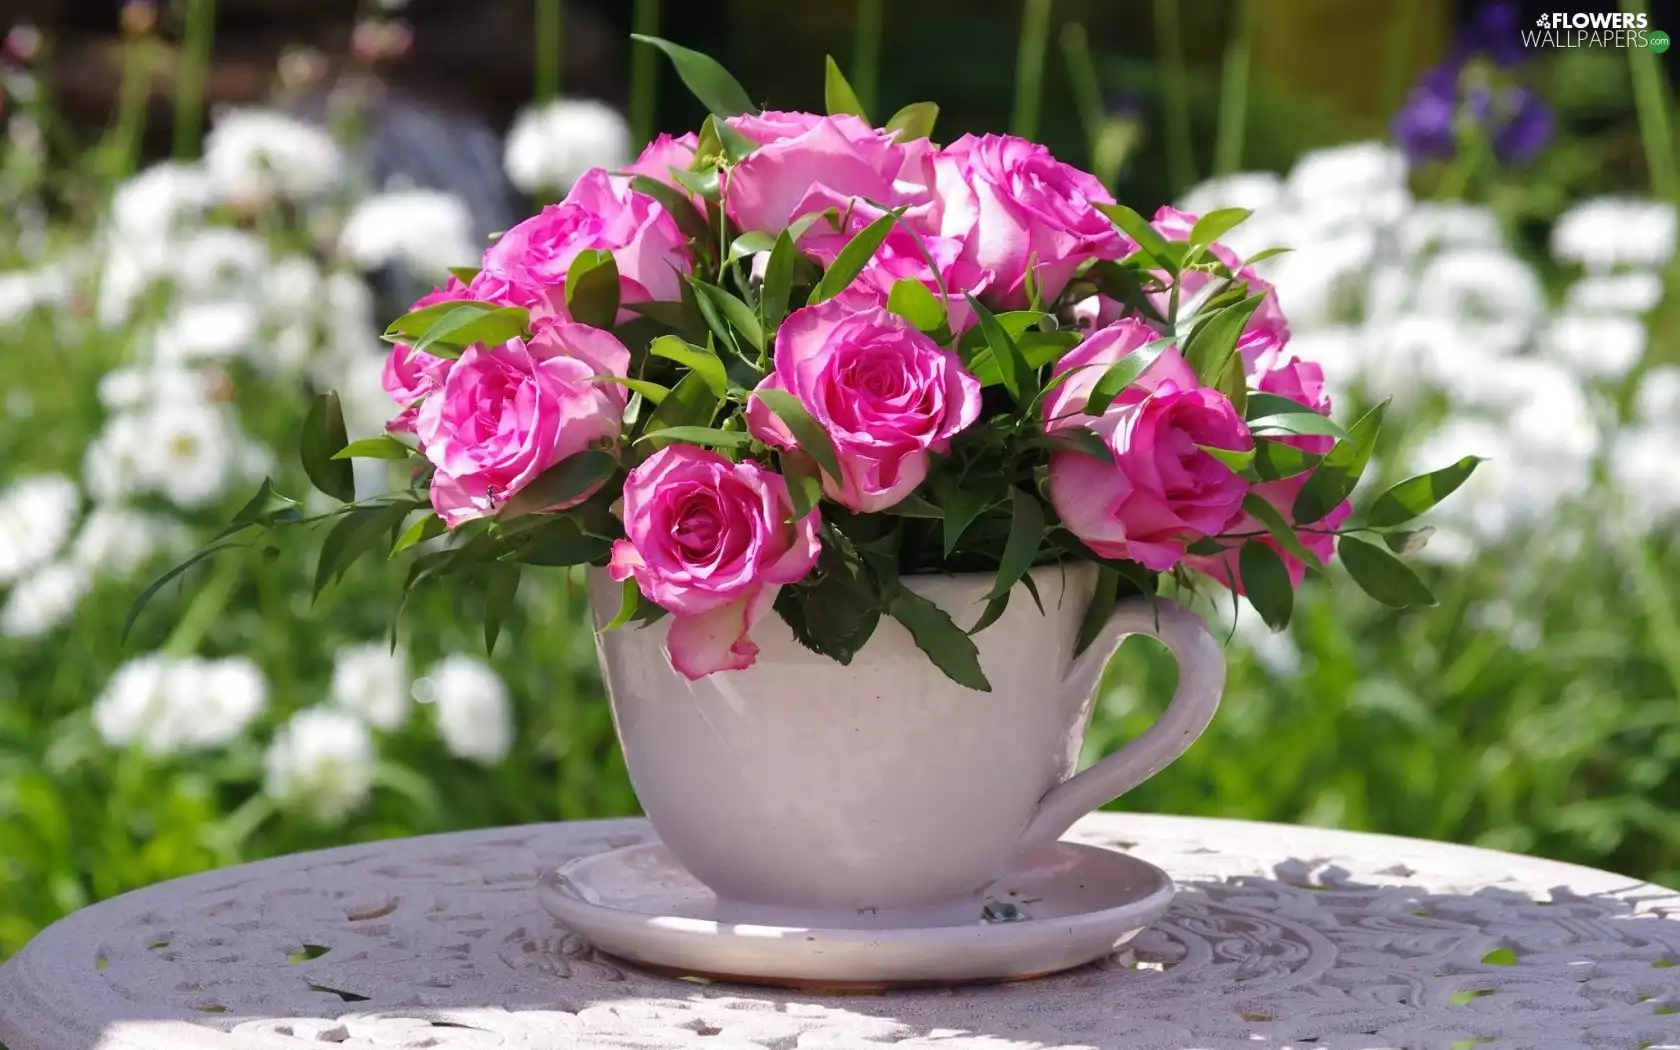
(1407, 543)
(911, 300)
(592, 289)
(1037, 348)
(833, 613)
(566, 482)
(749, 243)
(703, 184)
(629, 600)
(323, 435)
(1212, 226)
(1018, 377)
(1381, 575)
(804, 484)
(1500, 957)
(469, 323)
(1266, 254)
(1122, 374)
(1284, 536)
(738, 314)
(1101, 607)
(1124, 285)
(1262, 404)
(267, 508)
(1339, 474)
(354, 535)
(382, 447)
(413, 324)
(1238, 460)
(709, 437)
(914, 506)
(736, 146)
(560, 548)
(1412, 497)
(499, 592)
(1147, 237)
(427, 527)
(464, 274)
(960, 506)
(1026, 532)
(914, 121)
(677, 204)
(690, 403)
(1273, 460)
(159, 583)
(650, 390)
(705, 77)
(950, 649)
(853, 258)
(703, 363)
(838, 95)
(1083, 440)
(812, 438)
(1214, 342)
(778, 281)
(1302, 423)
(1265, 581)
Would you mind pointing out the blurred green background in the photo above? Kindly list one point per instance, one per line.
(155, 325)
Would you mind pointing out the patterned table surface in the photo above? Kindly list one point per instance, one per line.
(1279, 937)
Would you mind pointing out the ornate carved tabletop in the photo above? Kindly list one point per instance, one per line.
(1279, 937)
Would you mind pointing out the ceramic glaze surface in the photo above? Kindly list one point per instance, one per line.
(1064, 906)
(883, 787)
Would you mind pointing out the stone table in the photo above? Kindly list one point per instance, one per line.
(1279, 937)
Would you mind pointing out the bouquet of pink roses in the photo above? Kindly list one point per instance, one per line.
(778, 365)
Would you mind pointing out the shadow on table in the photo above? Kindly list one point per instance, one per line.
(1306, 955)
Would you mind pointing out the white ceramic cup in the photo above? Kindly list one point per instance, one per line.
(804, 792)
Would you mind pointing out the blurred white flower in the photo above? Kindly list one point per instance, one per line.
(188, 449)
(24, 291)
(1323, 283)
(207, 331)
(1598, 346)
(1658, 397)
(1646, 470)
(37, 512)
(133, 386)
(371, 682)
(1606, 232)
(117, 541)
(1433, 225)
(474, 715)
(1254, 190)
(220, 263)
(152, 204)
(550, 146)
(1621, 293)
(167, 706)
(43, 600)
(252, 153)
(425, 231)
(1481, 284)
(321, 761)
(1355, 186)
(291, 288)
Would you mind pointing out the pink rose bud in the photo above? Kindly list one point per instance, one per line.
(1281, 495)
(1101, 350)
(710, 541)
(885, 393)
(527, 265)
(807, 163)
(1267, 331)
(1162, 492)
(1013, 204)
(663, 154)
(410, 376)
(505, 414)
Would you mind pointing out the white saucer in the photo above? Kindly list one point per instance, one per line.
(1071, 904)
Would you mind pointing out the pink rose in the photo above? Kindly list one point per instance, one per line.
(663, 154)
(410, 376)
(1300, 381)
(900, 258)
(507, 413)
(1162, 492)
(527, 266)
(806, 163)
(1012, 203)
(1267, 331)
(886, 394)
(1281, 495)
(710, 541)
(1064, 406)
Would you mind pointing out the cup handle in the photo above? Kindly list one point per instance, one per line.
(1201, 678)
